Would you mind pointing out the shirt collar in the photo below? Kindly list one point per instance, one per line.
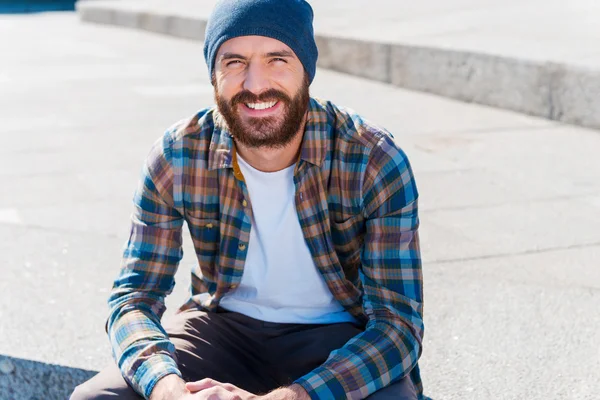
(221, 153)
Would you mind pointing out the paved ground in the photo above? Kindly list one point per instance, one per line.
(510, 212)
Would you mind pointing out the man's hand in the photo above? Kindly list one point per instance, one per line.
(209, 389)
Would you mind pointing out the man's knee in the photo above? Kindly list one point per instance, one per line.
(84, 392)
(107, 384)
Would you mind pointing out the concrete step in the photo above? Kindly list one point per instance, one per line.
(545, 83)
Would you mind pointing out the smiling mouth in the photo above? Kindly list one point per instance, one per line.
(262, 105)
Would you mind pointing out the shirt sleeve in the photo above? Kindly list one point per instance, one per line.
(391, 275)
(152, 253)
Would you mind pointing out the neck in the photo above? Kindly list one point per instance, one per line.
(269, 159)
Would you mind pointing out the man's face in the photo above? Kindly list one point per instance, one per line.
(261, 90)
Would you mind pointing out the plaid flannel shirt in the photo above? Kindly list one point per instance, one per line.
(356, 201)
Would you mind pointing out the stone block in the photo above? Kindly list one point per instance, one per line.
(480, 78)
(187, 27)
(360, 58)
(154, 22)
(127, 18)
(95, 14)
(575, 97)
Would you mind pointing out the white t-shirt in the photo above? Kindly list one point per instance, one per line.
(280, 282)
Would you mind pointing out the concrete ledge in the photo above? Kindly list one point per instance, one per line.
(477, 78)
(365, 59)
(32, 380)
(187, 27)
(555, 91)
(152, 21)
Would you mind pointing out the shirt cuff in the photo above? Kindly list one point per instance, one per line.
(151, 370)
(322, 384)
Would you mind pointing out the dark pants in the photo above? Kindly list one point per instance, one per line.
(232, 348)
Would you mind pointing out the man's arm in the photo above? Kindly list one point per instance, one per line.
(169, 387)
(140, 345)
(292, 392)
(391, 275)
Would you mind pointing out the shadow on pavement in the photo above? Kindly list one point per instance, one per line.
(31, 380)
(33, 6)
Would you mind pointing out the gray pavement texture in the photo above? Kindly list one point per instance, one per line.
(38, 381)
(510, 211)
(538, 57)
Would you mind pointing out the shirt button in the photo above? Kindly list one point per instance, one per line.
(244, 203)
(242, 246)
(209, 226)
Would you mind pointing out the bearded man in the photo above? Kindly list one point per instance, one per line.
(304, 220)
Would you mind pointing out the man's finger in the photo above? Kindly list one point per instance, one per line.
(201, 384)
(216, 393)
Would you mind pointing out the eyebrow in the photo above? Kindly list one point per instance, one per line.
(229, 56)
(281, 53)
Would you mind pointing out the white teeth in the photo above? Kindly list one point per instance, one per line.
(261, 106)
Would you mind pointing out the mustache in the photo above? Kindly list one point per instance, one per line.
(245, 96)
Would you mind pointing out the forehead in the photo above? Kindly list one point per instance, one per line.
(251, 45)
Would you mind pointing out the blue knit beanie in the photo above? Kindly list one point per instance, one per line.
(289, 21)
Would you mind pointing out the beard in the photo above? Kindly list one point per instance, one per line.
(269, 132)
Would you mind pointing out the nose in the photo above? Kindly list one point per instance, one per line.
(256, 79)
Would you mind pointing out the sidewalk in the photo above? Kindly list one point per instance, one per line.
(537, 57)
(509, 210)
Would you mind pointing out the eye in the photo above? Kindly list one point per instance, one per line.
(278, 59)
(233, 63)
